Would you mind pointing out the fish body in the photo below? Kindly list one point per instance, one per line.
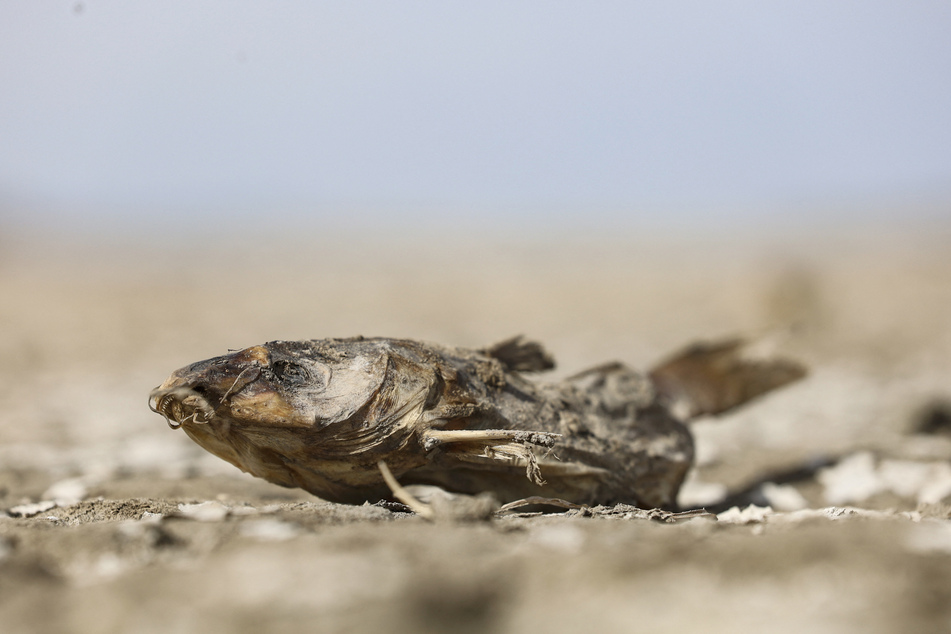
(321, 415)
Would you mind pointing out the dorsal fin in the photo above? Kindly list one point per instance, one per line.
(520, 355)
(713, 378)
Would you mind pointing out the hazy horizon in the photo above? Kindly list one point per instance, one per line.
(618, 114)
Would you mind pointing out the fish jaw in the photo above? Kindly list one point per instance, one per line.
(232, 387)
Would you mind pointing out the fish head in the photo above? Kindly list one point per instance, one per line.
(277, 384)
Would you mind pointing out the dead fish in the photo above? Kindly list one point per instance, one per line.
(321, 414)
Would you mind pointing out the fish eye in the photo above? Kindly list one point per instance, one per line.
(290, 372)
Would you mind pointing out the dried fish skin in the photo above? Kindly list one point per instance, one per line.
(321, 414)
(306, 414)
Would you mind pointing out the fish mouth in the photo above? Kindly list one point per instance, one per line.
(180, 405)
(187, 397)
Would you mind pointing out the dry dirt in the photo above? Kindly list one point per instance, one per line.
(112, 522)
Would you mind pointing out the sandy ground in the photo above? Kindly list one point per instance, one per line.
(112, 522)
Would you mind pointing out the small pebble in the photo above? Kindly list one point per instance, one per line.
(29, 510)
(752, 514)
(66, 492)
(204, 512)
(782, 497)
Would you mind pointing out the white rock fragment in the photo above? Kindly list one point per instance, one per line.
(752, 514)
(840, 512)
(204, 511)
(803, 515)
(697, 494)
(936, 492)
(835, 513)
(857, 478)
(66, 492)
(904, 477)
(29, 510)
(269, 530)
(853, 479)
(755, 514)
(782, 497)
(937, 487)
(932, 536)
(799, 516)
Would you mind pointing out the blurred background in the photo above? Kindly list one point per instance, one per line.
(614, 179)
(184, 117)
(181, 178)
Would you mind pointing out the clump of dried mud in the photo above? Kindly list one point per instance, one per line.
(829, 501)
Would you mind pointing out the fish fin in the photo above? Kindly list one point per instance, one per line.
(714, 378)
(433, 438)
(480, 445)
(518, 354)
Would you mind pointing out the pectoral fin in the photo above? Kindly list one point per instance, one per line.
(488, 445)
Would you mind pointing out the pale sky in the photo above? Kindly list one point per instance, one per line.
(195, 107)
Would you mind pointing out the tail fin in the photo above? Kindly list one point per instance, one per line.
(713, 378)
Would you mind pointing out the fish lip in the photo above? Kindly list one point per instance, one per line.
(189, 400)
(181, 404)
